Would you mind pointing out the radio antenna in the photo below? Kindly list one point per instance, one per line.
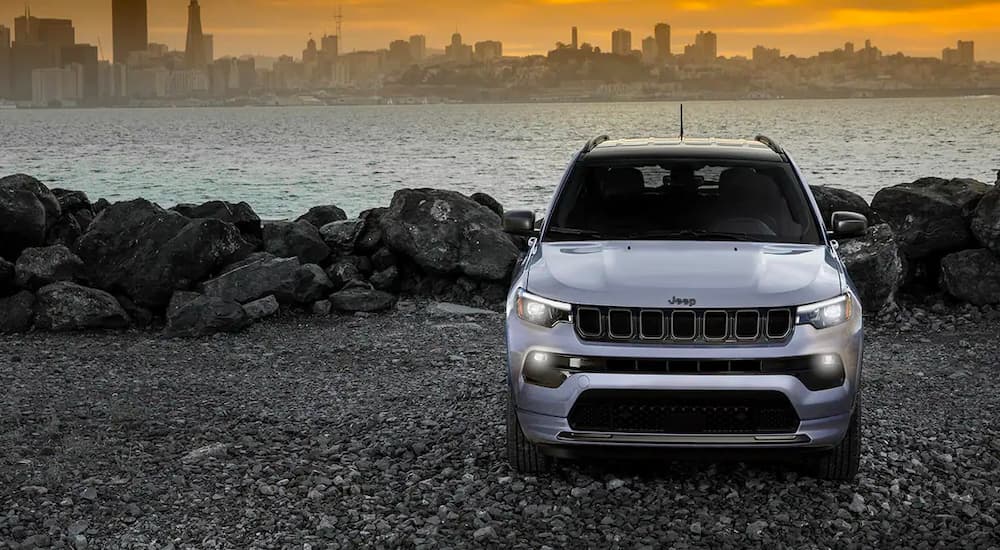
(682, 122)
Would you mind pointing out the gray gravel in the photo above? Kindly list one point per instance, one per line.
(386, 431)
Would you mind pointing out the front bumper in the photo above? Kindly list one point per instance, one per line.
(543, 412)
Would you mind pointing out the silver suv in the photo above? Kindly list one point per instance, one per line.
(684, 294)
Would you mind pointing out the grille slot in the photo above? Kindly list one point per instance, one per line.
(716, 325)
(683, 325)
(747, 325)
(779, 323)
(652, 325)
(588, 321)
(620, 324)
(683, 412)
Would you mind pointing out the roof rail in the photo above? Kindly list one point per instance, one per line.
(771, 144)
(594, 143)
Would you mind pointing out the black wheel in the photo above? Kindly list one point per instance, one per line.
(842, 462)
(523, 455)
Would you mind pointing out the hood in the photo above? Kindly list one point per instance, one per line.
(671, 274)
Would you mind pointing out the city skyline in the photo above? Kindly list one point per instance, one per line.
(922, 29)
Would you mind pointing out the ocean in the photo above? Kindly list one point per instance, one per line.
(285, 160)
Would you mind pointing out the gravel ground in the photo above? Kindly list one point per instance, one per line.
(388, 431)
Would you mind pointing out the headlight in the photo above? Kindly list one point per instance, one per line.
(825, 314)
(541, 311)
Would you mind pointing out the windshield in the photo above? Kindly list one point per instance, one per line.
(683, 200)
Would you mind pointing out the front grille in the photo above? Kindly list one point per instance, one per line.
(683, 412)
(651, 326)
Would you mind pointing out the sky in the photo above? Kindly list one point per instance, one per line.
(275, 27)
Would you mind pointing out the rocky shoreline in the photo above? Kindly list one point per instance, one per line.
(67, 263)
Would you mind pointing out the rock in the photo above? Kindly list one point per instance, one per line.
(383, 259)
(72, 201)
(363, 263)
(875, 266)
(67, 306)
(17, 312)
(362, 299)
(214, 450)
(445, 232)
(445, 309)
(322, 307)
(387, 279)
(37, 267)
(248, 283)
(24, 182)
(22, 222)
(249, 260)
(299, 239)
(206, 315)
(972, 276)
(484, 533)
(857, 504)
(929, 215)
(319, 216)
(259, 309)
(371, 235)
(179, 298)
(985, 223)
(65, 231)
(342, 272)
(341, 236)
(311, 284)
(8, 275)
(833, 199)
(488, 202)
(140, 316)
(101, 205)
(147, 253)
(240, 214)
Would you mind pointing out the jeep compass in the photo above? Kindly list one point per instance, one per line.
(684, 294)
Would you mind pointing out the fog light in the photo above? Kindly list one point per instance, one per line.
(541, 357)
(827, 372)
(546, 369)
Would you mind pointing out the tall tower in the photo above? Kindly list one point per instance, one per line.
(129, 27)
(662, 34)
(194, 53)
(576, 39)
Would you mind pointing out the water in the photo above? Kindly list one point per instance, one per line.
(284, 160)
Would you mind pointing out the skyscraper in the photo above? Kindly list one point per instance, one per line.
(662, 34)
(331, 46)
(208, 44)
(4, 62)
(576, 39)
(621, 42)
(194, 53)
(129, 28)
(418, 47)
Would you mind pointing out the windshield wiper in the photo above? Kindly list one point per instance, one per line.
(574, 232)
(693, 234)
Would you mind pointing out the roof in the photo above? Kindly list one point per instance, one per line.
(687, 148)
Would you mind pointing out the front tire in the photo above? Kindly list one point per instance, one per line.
(524, 456)
(843, 461)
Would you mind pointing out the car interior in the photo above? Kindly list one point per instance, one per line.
(759, 202)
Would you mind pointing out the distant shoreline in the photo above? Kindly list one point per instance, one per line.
(307, 99)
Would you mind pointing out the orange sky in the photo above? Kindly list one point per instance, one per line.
(272, 27)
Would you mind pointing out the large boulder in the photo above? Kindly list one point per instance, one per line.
(259, 309)
(75, 205)
(68, 306)
(22, 222)
(985, 223)
(239, 214)
(310, 284)
(206, 315)
(387, 279)
(833, 199)
(295, 239)
(65, 231)
(342, 272)
(359, 298)
(488, 202)
(929, 216)
(24, 182)
(146, 252)
(38, 267)
(319, 216)
(342, 236)
(875, 266)
(972, 276)
(17, 312)
(446, 232)
(248, 283)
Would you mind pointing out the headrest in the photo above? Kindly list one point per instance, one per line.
(682, 176)
(735, 176)
(744, 183)
(623, 183)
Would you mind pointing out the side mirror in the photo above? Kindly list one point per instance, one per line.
(520, 222)
(846, 225)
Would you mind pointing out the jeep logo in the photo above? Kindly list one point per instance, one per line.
(689, 302)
